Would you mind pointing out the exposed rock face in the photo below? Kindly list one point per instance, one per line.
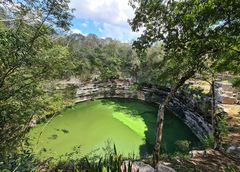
(226, 87)
(124, 89)
(226, 94)
(137, 166)
(225, 99)
(142, 167)
(234, 150)
(238, 96)
(192, 119)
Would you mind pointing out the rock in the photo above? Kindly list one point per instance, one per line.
(33, 123)
(228, 100)
(197, 153)
(137, 165)
(238, 96)
(234, 150)
(142, 167)
(228, 93)
(230, 149)
(163, 168)
(227, 87)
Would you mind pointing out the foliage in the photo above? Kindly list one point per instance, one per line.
(29, 58)
(208, 142)
(193, 33)
(69, 92)
(221, 128)
(25, 161)
(111, 162)
(222, 124)
(106, 58)
(183, 145)
(236, 82)
(134, 87)
(230, 167)
(149, 71)
(200, 101)
(22, 161)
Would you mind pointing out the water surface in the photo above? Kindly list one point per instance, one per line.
(93, 126)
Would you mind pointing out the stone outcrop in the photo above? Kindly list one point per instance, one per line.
(163, 168)
(192, 119)
(125, 89)
(234, 150)
(142, 167)
(226, 94)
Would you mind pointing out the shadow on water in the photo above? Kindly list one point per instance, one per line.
(173, 130)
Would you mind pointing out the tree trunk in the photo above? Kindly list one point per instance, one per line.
(217, 132)
(214, 117)
(213, 110)
(160, 116)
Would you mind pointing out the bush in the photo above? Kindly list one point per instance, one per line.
(70, 92)
(230, 167)
(23, 161)
(110, 162)
(183, 145)
(208, 142)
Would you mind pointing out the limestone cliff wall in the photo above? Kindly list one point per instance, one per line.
(125, 89)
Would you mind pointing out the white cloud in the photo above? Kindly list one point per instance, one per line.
(108, 11)
(76, 31)
(121, 33)
(109, 16)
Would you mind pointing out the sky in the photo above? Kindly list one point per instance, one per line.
(105, 18)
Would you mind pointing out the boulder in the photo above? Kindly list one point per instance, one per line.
(164, 168)
(197, 153)
(228, 100)
(227, 87)
(137, 166)
(234, 150)
(142, 167)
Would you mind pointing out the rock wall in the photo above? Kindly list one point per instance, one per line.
(226, 94)
(125, 89)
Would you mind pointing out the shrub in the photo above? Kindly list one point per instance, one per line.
(183, 145)
(208, 142)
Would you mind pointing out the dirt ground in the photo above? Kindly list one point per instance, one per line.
(210, 161)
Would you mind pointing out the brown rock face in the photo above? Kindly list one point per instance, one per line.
(228, 100)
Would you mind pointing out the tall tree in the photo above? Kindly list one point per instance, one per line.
(28, 58)
(193, 32)
(107, 58)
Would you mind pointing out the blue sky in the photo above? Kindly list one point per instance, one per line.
(105, 18)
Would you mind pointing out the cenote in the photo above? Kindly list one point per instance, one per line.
(95, 125)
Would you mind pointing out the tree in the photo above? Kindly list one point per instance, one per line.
(193, 33)
(106, 58)
(149, 71)
(28, 59)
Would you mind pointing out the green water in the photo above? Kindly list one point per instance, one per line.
(94, 125)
